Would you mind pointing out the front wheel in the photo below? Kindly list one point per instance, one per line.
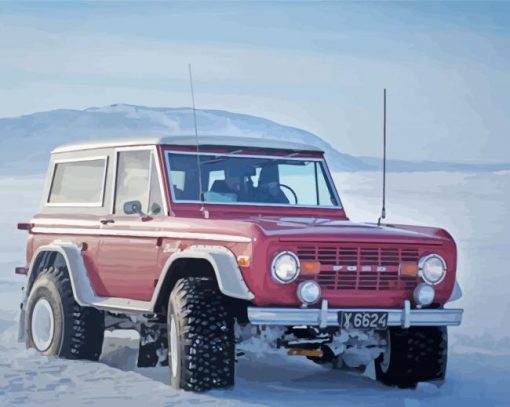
(413, 355)
(201, 337)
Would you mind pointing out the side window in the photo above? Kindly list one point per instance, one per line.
(78, 183)
(132, 182)
(137, 180)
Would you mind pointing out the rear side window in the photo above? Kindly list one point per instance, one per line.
(133, 170)
(78, 183)
(137, 180)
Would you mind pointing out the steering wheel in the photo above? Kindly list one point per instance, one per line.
(291, 191)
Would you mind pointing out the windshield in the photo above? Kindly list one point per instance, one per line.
(235, 179)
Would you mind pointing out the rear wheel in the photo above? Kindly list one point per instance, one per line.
(413, 355)
(56, 325)
(200, 337)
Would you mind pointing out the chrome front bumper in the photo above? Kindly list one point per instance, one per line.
(325, 316)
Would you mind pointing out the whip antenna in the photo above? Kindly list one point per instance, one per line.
(383, 212)
(200, 190)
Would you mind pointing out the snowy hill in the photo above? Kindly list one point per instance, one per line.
(26, 141)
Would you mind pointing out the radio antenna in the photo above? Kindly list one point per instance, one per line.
(203, 211)
(383, 212)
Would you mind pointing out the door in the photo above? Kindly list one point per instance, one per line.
(129, 247)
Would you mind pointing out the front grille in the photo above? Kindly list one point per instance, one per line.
(355, 268)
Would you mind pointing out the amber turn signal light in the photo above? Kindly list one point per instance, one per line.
(243, 261)
(310, 267)
(408, 269)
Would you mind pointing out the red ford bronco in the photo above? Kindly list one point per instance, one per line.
(192, 241)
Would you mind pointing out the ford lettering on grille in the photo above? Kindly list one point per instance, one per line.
(356, 268)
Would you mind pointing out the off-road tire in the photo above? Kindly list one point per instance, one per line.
(417, 354)
(205, 340)
(78, 331)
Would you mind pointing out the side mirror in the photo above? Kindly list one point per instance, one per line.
(133, 207)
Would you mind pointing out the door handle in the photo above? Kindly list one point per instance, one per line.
(106, 221)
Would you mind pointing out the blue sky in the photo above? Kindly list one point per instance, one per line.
(320, 66)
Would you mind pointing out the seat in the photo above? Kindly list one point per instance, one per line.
(220, 186)
(269, 186)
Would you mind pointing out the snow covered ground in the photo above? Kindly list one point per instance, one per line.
(473, 207)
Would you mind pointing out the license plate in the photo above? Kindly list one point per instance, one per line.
(363, 320)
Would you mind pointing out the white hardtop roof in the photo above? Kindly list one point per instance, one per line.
(230, 141)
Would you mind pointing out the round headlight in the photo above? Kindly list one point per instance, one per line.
(432, 268)
(285, 267)
(424, 294)
(308, 292)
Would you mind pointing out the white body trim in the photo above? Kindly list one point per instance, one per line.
(82, 227)
(139, 233)
(223, 261)
(83, 292)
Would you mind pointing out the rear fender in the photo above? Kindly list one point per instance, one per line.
(71, 254)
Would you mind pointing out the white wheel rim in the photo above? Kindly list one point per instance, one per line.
(173, 346)
(42, 324)
(385, 364)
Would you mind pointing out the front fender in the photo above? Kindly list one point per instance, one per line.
(224, 263)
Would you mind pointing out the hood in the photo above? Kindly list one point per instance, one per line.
(290, 229)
